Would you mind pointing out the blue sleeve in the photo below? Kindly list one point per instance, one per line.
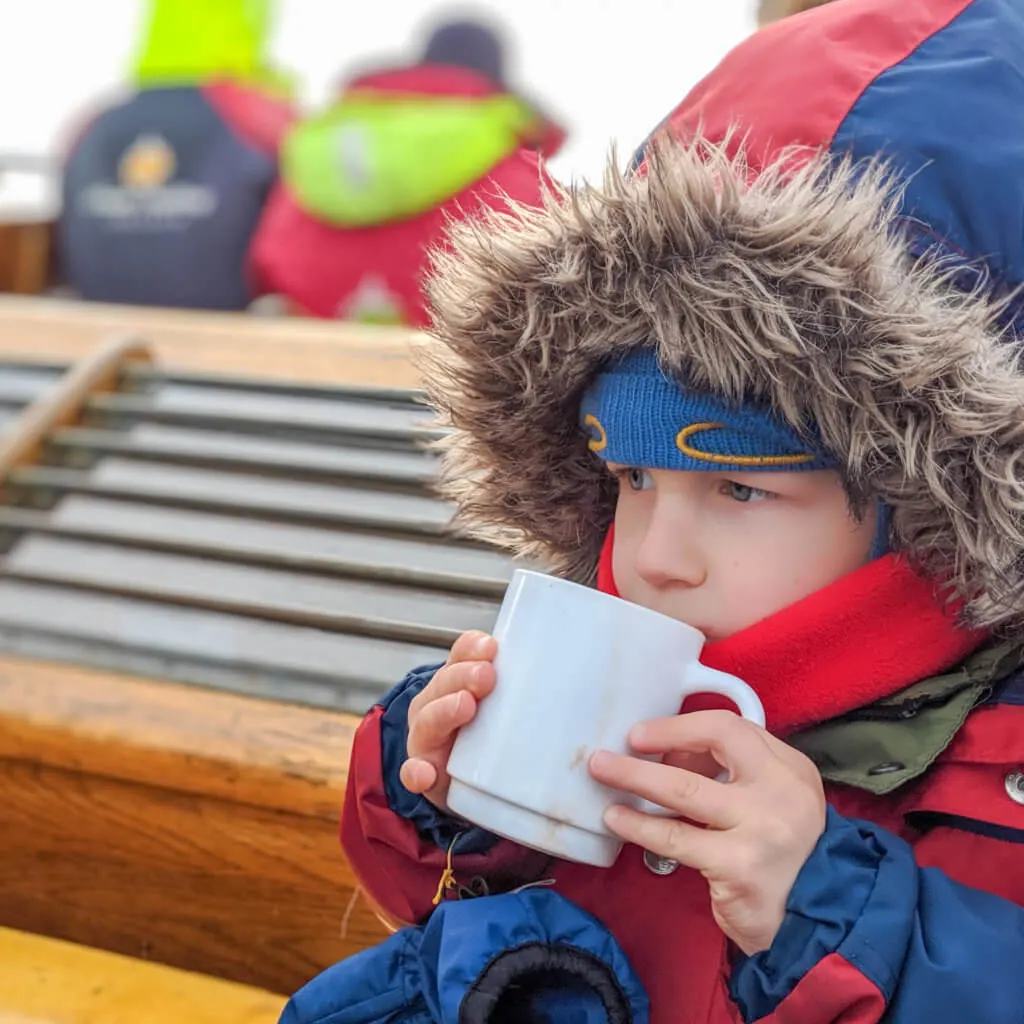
(431, 823)
(935, 950)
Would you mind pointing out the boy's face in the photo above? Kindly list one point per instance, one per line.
(722, 551)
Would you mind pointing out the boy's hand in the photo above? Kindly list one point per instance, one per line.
(443, 707)
(748, 837)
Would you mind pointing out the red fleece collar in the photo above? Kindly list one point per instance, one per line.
(867, 636)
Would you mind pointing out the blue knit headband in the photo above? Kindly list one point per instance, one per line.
(636, 416)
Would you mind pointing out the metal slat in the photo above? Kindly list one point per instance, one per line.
(244, 494)
(23, 380)
(350, 606)
(54, 367)
(264, 455)
(365, 415)
(191, 406)
(240, 596)
(432, 564)
(147, 377)
(7, 416)
(20, 385)
(263, 659)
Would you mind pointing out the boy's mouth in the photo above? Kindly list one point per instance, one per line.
(709, 634)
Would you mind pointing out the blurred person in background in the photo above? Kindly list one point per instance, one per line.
(162, 191)
(368, 185)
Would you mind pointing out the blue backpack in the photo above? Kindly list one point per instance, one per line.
(161, 199)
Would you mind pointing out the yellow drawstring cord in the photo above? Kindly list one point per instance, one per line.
(448, 875)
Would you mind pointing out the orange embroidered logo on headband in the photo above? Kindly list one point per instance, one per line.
(682, 443)
(599, 443)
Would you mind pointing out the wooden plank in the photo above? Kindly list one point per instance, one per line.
(239, 749)
(251, 895)
(349, 606)
(284, 349)
(279, 661)
(244, 494)
(266, 455)
(193, 828)
(446, 566)
(46, 981)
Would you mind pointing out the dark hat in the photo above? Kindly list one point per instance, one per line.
(467, 44)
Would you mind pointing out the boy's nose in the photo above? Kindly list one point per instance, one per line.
(670, 552)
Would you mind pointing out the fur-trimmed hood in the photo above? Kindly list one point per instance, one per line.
(790, 288)
(868, 301)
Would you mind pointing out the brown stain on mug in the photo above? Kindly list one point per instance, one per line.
(580, 756)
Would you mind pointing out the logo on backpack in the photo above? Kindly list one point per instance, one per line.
(147, 163)
(145, 194)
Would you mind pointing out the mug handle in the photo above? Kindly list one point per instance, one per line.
(701, 679)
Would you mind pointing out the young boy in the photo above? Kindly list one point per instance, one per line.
(795, 394)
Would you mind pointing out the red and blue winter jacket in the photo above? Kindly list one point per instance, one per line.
(908, 909)
(911, 906)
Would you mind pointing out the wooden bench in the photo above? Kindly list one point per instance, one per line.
(204, 580)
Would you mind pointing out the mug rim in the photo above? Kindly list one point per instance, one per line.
(611, 597)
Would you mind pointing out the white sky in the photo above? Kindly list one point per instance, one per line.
(609, 68)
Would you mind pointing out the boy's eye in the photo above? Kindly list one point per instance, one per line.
(639, 479)
(744, 492)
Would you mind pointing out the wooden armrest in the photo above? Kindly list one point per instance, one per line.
(98, 371)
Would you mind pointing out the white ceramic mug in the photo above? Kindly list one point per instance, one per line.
(576, 670)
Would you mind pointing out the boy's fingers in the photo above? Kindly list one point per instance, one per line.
(735, 743)
(699, 762)
(473, 646)
(688, 794)
(475, 676)
(691, 845)
(417, 775)
(436, 722)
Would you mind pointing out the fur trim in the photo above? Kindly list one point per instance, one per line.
(791, 287)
